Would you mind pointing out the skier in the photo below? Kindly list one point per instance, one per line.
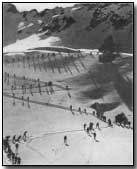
(28, 102)
(69, 95)
(104, 118)
(30, 87)
(14, 139)
(13, 158)
(16, 148)
(22, 98)
(97, 125)
(6, 144)
(18, 139)
(67, 88)
(94, 135)
(65, 141)
(13, 99)
(18, 160)
(79, 109)
(50, 83)
(88, 131)
(91, 126)
(91, 54)
(129, 123)
(25, 136)
(109, 123)
(84, 126)
(9, 154)
(85, 111)
(71, 108)
(93, 113)
(14, 79)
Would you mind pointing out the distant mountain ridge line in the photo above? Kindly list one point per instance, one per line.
(84, 25)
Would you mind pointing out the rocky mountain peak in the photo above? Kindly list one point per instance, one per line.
(84, 25)
(8, 7)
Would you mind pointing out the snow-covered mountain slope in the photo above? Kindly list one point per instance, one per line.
(61, 46)
(47, 125)
(30, 42)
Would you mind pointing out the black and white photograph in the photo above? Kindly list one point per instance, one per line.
(67, 83)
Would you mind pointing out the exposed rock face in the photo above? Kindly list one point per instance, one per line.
(80, 26)
(11, 18)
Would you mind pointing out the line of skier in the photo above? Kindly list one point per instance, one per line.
(79, 110)
(11, 147)
(103, 118)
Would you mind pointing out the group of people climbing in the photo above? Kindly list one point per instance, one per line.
(89, 129)
(79, 110)
(11, 155)
(103, 118)
(11, 147)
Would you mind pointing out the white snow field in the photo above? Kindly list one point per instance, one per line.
(47, 124)
(29, 42)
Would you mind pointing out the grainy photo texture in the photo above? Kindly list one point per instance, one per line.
(68, 84)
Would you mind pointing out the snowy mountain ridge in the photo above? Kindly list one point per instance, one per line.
(81, 26)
